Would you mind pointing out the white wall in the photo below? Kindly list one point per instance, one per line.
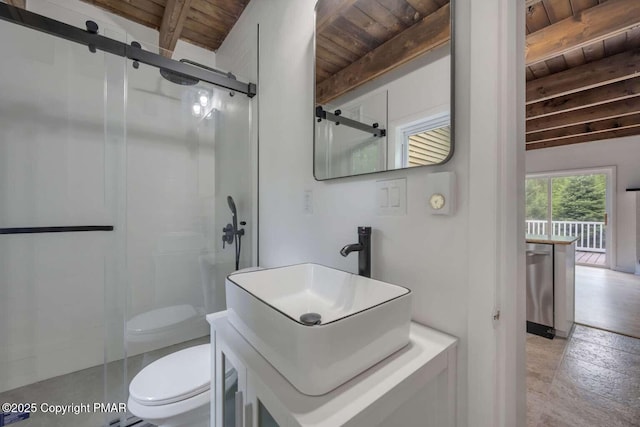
(623, 153)
(429, 254)
(59, 168)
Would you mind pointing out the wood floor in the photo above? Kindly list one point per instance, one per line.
(591, 258)
(608, 300)
(590, 380)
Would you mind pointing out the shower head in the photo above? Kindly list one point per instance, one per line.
(232, 206)
(187, 80)
(178, 78)
(234, 212)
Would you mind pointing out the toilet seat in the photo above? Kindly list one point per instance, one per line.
(176, 377)
(159, 415)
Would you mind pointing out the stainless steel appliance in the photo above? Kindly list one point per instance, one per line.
(540, 290)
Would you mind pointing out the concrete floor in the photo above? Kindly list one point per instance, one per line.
(85, 386)
(608, 300)
(590, 380)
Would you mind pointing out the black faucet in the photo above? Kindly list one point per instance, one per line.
(363, 247)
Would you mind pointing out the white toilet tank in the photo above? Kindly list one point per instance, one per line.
(178, 309)
(177, 278)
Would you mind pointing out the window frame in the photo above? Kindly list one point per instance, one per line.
(425, 124)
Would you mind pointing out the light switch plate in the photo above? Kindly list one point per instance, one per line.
(443, 183)
(391, 197)
(383, 197)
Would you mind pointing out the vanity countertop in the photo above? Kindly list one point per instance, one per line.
(362, 401)
(551, 239)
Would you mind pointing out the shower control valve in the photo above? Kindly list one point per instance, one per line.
(227, 235)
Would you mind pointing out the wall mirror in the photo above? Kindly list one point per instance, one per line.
(383, 86)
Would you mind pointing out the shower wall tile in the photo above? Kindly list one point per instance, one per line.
(52, 305)
(51, 133)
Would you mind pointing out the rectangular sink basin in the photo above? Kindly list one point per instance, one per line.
(361, 321)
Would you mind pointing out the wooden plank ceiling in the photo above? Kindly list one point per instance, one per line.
(358, 40)
(583, 71)
(582, 57)
(204, 23)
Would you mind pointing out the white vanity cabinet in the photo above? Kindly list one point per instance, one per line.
(413, 387)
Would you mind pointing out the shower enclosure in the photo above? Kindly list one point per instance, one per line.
(114, 185)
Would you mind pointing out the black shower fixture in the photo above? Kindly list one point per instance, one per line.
(231, 233)
(186, 80)
(178, 78)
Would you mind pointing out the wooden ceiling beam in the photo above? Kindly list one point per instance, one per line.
(600, 95)
(584, 28)
(586, 115)
(17, 3)
(175, 15)
(586, 128)
(617, 133)
(431, 32)
(615, 68)
(330, 10)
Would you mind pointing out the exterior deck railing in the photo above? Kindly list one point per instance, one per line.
(591, 235)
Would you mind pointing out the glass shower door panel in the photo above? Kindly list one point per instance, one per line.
(187, 151)
(55, 171)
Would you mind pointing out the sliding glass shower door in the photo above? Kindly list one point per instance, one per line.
(188, 151)
(115, 187)
(58, 221)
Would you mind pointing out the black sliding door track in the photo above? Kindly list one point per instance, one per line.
(95, 42)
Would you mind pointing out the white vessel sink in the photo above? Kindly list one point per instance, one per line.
(362, 321)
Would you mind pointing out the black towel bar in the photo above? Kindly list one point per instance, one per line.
(71, 229)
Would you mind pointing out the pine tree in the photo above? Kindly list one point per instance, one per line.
(537, 201)
(582, 199)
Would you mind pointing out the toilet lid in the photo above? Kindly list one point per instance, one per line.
(160, 319)
(173, 378)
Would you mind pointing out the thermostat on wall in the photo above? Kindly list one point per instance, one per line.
(441, 193)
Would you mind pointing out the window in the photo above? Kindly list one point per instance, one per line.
(427, 142)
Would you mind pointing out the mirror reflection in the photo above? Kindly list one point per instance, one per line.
(382, 85)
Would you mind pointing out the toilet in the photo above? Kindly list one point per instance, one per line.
(175, 390)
